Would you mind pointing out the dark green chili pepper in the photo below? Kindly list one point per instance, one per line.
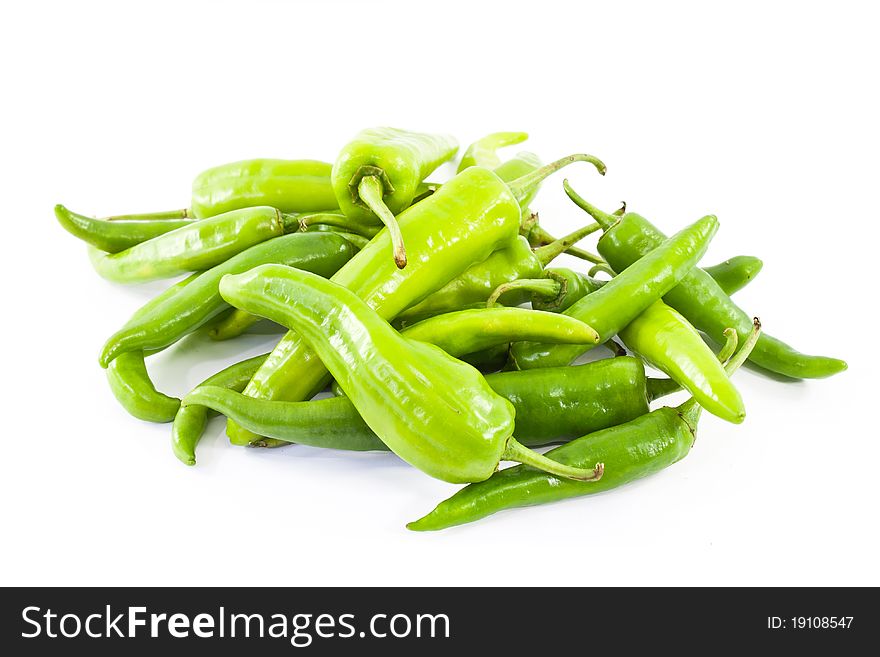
(552, 405)
(488, 360)
(734, 274)
(468, 218)
(701, 301)
(191, 419)
(378, 173)
(167, 322)
(200, 245)
(435, 412)
(630, 451)
(626, 296)
(116, 235)
(482, 153)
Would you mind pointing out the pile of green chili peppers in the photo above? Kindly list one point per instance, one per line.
(432, 316)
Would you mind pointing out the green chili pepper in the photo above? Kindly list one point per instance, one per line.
(230, 324)
(378, 173)
(200, 245)
(482, 152)
(734, 274)
(117, 235)
(167, 322)
(573, 286)
(626, 296)
(289, 185)
(191, 419)
(552, 405)
(630, 451)
(132, 387)
(702, 302)
(461, 224)
(666, 341)
(435, 412)
(475, 285)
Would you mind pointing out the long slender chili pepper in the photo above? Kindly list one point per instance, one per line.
(552, 405)
(190, 419)
(435, 412)
(116, 235)
(200, 245)
(734, 274)
(626, 296)
(461, 224)
(378, 173)
(699, 299)
(482, 153)
(167, 322)
(630, 451)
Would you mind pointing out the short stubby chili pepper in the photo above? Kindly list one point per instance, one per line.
(627, 295)
(667, 342)
(292, 186)
(191, 419)
(466, 220)
(699, 299)
(435, 412)
(167, 322)
(476, 284)
(552, 405)
(200, 245)
(113, 236)
(378, 173)
(635, 449)
(734, 274)
(482, 153)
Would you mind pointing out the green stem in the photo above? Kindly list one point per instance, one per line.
(601, 267)
(546, 254)
(523, 186)
(607, 220)
(545, 287)
(370, 191)
(153, 216)
(731, 340)
(521, 454)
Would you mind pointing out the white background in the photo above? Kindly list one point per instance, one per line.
(765, 115)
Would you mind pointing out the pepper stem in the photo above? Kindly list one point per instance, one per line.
(607, 220)
(731, 340)
(536, 234)
(545, 287)
(370, 191)
(546, 254)
(518, 452)
(601, 267)
(153, 216)
(523, 186)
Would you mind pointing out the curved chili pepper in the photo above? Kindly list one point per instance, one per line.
(627, 295)
(377, 175)
(482, 153)
(114, 235)
(191, 419)
(633, 450)
(666, 341)
(461, 224)
(167, 322)
(435, 412)
(734, 274)
(131, 385)
(200, 245)
(579, 399)
(701, 301)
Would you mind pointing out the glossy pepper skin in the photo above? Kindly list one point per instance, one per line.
(552, 405)
(288, 185)
(378, 173)
(113, 236)
(636, 449)
(197, 246)
(167, 322)
(734, 274)
(435, 412)
(665, 340)
(461, 224)
(699, 298)
(191, 419)
(482, 153)
(627, 295)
